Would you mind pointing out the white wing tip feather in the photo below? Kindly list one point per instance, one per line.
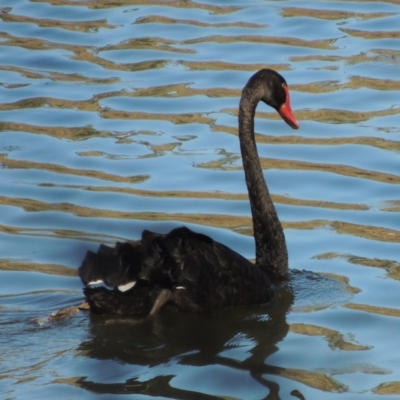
(127, 286)
(94, 282)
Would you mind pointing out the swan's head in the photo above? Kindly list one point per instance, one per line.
(273, 90)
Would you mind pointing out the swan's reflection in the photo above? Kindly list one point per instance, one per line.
(171, 345)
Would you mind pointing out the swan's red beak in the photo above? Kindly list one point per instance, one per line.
(285, 111)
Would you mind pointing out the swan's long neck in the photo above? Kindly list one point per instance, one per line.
(271, 251)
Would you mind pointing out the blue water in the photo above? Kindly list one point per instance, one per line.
(121, 116)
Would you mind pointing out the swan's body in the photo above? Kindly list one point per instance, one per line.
(189, 270)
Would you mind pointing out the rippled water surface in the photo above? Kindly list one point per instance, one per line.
(121, 115)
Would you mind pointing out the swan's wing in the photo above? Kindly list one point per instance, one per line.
(210, 275)
(201, 274)
(123, 265)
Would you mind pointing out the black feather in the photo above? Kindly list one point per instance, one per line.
(201, 274)
(189, 270)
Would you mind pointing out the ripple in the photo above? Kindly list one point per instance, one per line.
(91, 26)
(331, 14)
(119, 115)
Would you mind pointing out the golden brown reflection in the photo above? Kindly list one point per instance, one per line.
(391, 267)
(120, 3)
(60, 169)
(372, 55)
(281, 164)
(367, 232)
(226, 221)
(345, 170)
(28, 43)
(56, 76)
(354, 82)
(324, 382)
(343, 116)
(387, 388)
(61, 132)
(221, 65)
(334, 338)
(174, 118)
(61, 233)
(145, 43)
(326, 44)
(330, 14)
(183, 194)
(329, 141)
(391, 312)
(167, 20)
(82, 26)
(317, 380)
(53, 269)
(181, 90)
(372, 34)
(344, 279)
(392, 206)
(346, 228)
(37, 102)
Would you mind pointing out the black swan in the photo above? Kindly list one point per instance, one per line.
(189, 270)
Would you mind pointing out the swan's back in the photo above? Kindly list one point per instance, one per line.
(188, 270)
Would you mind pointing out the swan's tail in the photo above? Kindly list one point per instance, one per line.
(139, 303)
(138, 276)
(119, 267)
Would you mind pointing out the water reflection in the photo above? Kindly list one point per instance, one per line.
(116, 115)
(237, 339)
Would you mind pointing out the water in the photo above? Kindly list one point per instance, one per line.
(119, 116)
